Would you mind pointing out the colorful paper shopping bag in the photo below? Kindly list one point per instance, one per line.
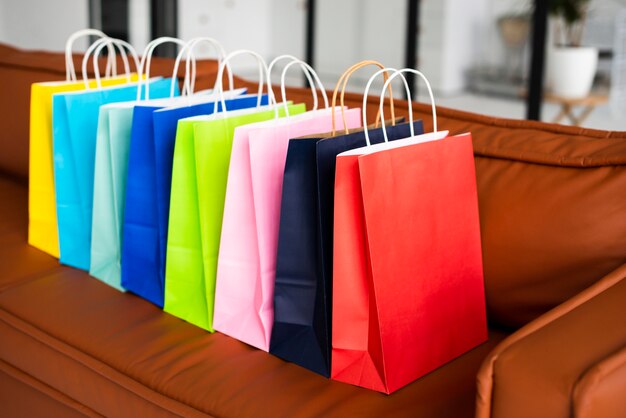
(303, 287)
(42, 212)
(75, 123)
(408, 288)
(111, 167)
(148, 192)
(244, 300)
(200, 172)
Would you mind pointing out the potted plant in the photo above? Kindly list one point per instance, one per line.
(572, 67)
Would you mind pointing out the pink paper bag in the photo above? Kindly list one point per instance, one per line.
(246, 269)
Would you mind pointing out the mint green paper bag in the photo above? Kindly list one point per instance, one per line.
(200, 171)
(113, 127)
(113, 138)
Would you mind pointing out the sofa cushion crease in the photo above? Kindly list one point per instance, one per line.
(97, 366)
(61, 405)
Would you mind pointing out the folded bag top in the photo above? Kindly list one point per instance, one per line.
(408, 280)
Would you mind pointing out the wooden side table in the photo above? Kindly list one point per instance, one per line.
(568, 105)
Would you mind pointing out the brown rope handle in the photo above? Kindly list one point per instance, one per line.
(343, 81)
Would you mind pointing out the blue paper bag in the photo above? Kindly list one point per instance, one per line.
(75, 122)
(148, 193)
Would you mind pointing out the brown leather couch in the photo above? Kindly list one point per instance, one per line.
(553, 215)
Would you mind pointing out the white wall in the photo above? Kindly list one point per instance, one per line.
(287, 28)
(269, 27)
(45, 24)
(40, 24)
(139, 23)
(237, 24)
(449, 41)
(454, 34)
(2, 18)
(349, 31)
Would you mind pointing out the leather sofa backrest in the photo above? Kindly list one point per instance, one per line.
(552, 198)
(552, 203)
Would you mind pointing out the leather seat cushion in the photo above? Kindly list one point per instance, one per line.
(118, 355)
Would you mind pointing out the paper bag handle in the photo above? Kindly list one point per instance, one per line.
(262, 72)
(146, 62)
(343, 81)
(189, 85)
(382, 99)
(96, 48)
(430, 93)
(186, 84)
(308, 71)
(91, 50)
(270, 67)
(120, 45)
(70, 71)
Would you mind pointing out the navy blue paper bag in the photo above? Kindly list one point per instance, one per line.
(303, 289)
(148, 192)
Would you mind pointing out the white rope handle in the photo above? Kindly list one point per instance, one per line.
(109, 42)
(272, 96)
(110, 45)
(308, 71)
(430, 93)
(121, 45)
(146, 61)
(90, 50)
(179, 57)
(220, 76)
(382, 99)
(70, 71)
(189, 85)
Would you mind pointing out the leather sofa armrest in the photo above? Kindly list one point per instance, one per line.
(600, 392)
(569, 362)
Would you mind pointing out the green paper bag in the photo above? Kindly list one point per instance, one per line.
(200, 171)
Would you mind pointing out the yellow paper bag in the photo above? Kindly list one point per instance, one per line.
(42, 215)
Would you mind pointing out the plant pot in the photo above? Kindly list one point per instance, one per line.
(572, 70)
(514, 30)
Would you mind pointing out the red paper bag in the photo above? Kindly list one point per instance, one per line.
(408, 291)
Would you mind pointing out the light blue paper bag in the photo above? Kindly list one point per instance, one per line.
(109, 188)
(75, 121)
